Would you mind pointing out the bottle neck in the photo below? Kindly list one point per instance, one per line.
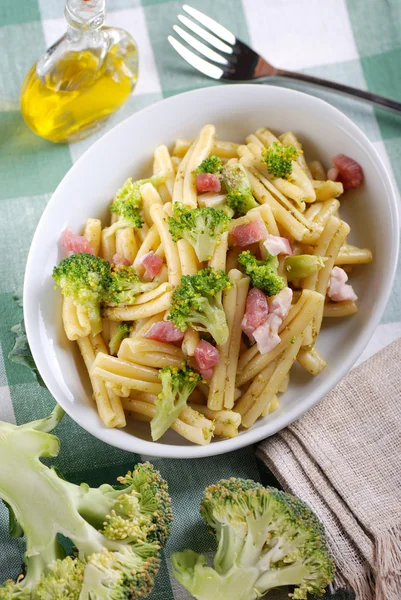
(84, 15)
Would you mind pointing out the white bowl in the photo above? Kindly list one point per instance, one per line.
(126, 151)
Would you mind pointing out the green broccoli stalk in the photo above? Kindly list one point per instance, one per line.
(128, 202)
(278, 159)
(239, 194)
(266, 539)
(125, 285)
(121, 332)
(117, 532)
(84, 278)
(302, 265)
(201, 227)
(211, 164)
(263, 273)
(197, 302)
(177, 386)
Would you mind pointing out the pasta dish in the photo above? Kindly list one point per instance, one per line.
(210, 281)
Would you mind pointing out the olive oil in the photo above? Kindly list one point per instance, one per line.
(81, 80)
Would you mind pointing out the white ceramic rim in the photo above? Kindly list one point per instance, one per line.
(252, 436)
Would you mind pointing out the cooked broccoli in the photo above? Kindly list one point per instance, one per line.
(239, 195)
(86, 279)
(197, 301)
(117, 531)
(278, 159)
(125, 285)
(121, 332)
(263, 273)
(201, 227)
(177, 386)
(128, 203)
(302, 265)
(212, 164)
(266, 538)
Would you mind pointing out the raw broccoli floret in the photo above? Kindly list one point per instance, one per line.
(125, 285)
(266, 538)
(278, 159)
(177, 386)
(121, 332)
(197, 302)
(86, 279)
(117, 531)
(128, 203)
(263, 273)
(239, 194)
(302, 265)
(212, 164)
(201, 227)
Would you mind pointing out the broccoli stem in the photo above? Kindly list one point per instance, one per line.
(289, 575)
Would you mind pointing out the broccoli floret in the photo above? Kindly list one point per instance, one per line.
(302, 265)
(278, 159)
(197, 301)
(212, 164)
(85, 278)
(125, 285)
(177, 386)
(266, 538)
(239, 194)
(128, 203)
(263, 273)
(117, 531)
(121, 332)
(201, 227)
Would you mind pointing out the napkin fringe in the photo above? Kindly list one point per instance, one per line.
(388, 564)
(361, 583)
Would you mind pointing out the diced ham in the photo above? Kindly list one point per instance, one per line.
(244, 235)
(208, 182)
(276, 245)
(206, 373)
(280, 304)
(120, 261)
(332, 174)
(152, 263)
(339, 290)
(256, 310)
(206, 356)
(266, 335)
(75, 243)
(164, 331)
(349, 171)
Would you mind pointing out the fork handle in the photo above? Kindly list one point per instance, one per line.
(375, 99)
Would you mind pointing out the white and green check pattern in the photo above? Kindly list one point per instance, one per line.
(354, 42)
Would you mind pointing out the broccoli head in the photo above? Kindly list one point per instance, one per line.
(201, 227)
(121, 332)
(117, 531)
(197, 302)
(125, 285)
(177, 386)
(85, 278)
(278, 159)
(239, 194)
(127, 203)
(211, 164)
(266, 539)
(263, 273)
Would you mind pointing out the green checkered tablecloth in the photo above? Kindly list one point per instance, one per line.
(353, 41)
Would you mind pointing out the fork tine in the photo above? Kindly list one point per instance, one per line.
(205, 35)
(199, 63)
(211, 24)
(201, 48)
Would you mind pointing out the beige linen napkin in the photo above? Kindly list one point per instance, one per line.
(344, 459)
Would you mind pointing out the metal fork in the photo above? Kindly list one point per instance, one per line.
(235, 61)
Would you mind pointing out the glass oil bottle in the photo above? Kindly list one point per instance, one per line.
(82, 79)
